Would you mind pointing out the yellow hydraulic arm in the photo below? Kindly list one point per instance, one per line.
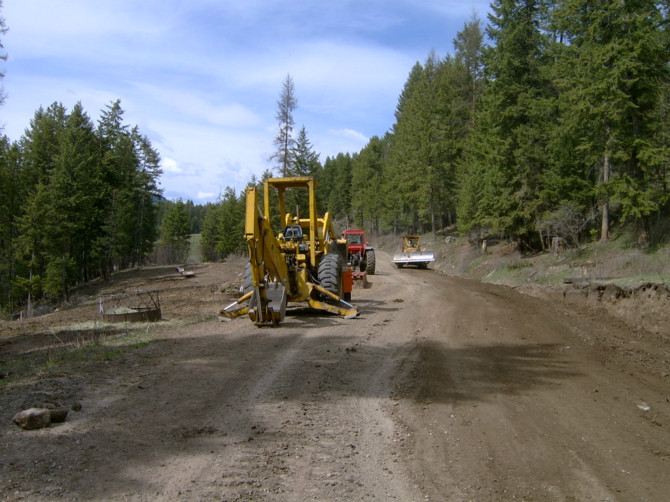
(267, 299)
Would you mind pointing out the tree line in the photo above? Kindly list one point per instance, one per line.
(552, 121)
(77, 201)
(562, 116)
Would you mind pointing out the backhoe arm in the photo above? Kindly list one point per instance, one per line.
(266, 303)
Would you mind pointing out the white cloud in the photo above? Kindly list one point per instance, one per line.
(199, 108)
(201, 79)
(170, 166)
(350, 134)
(206, 196)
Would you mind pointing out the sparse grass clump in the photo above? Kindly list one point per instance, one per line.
(75, 347)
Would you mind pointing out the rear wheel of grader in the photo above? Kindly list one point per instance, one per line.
(371, 262)
(330, 273)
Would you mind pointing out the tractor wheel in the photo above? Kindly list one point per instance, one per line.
(330, 273)
(371, 262)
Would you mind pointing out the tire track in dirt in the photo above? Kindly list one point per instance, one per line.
(506, 402)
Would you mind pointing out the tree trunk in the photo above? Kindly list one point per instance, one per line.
(605, 226)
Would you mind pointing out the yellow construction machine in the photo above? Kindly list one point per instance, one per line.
(412, 253)
(304, 262)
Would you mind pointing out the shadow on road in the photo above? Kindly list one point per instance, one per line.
(212, 391)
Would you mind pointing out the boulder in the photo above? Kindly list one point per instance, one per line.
(58, 414)
(33, 418)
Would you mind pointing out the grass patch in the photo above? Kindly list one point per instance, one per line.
(505, 274)
(74, 348)
(194, 254)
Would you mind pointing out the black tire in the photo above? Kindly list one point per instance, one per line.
(370, 262)
(399, 265)
(330, 273)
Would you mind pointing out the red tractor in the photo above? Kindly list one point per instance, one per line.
(361, 254)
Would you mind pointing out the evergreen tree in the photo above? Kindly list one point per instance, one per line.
(130, 168)
(75, 201)
(146, 194)
(508, 150)
(40, 143)
(70, 219)
(335, 187)
(404, 165)
(209, 235)
(230, 228)
(367, 176)
(12, 194)
(613, 68)
(305, 161)
(175, 232)
(40, 148)
(469, 45)
(284, 141)
(425, 147)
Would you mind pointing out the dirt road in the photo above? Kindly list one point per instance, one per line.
(442, 390)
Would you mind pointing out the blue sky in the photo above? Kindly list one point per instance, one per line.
(201, 78)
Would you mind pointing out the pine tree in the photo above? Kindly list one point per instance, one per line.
(131, 168)
(431, 120)
(209, 234)
(40, 143)
(404, 164)
(468, 46)
(284, 141)
(367, 176)
(230, 229)
(509, 147)
(12, 195)
(305, 161)
(146, 195)
(71, 219)
(40, 148)
(335, 187)
(175, 232)
(613, 66)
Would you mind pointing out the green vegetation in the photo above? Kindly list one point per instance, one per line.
(617, 261)
(194, 255)
(76, 202)
(558, 128)
(554, 129)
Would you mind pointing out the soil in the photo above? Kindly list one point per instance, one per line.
(442, 389)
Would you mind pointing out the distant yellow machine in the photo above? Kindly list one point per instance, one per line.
(304, 262)
(412, 253)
